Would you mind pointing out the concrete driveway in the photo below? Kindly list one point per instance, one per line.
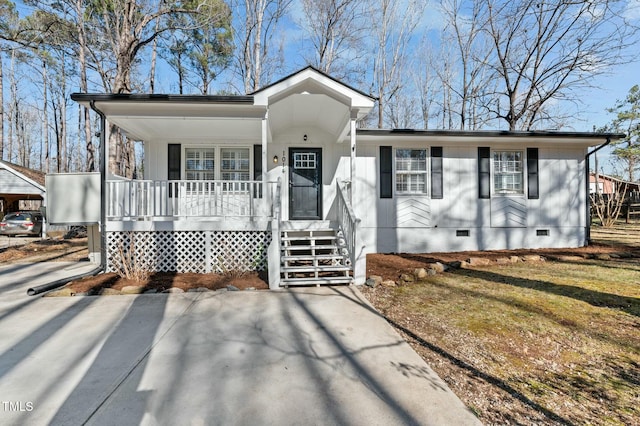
(305, 356)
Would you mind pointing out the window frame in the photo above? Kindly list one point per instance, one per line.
(217, 158)
(425, 172)
(494, 173)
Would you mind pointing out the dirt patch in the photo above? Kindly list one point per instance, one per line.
(391, 266)
(163, 281)
(54, 250)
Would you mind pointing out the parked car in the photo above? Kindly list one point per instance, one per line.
(21, 223)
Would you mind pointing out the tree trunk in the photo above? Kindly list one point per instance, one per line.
(84, 87)
(45, 116)
(1, 110)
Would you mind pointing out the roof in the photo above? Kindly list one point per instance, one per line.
(312, 68)
(157, 98)
(34, 175)
(493, 133)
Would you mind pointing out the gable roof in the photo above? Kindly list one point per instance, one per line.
(33, 176)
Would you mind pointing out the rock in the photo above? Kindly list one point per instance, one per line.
(109, 292)
(83, 293)
(603, 256)
(408, 278)
(174, 290)
(373, 281)
(503, 260)
(420, 273)
(478, 261)
(132, 289)
(389, 283)
(63, 292)
(432, 272)
(438, 267)
(532, 258)
(250, 289)
(221, 290)
(198, 290)
(456, 264)
(232, 288)
(567, 258)
(464, 265)
(150, 291)
(514, 259)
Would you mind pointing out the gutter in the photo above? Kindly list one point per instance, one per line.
(588, 204)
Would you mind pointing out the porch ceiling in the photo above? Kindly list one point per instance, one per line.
(150, 121)
(309, 110)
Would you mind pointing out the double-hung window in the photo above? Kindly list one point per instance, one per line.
(508, 172)
(235, 164)
(200, 164)
(411, 171)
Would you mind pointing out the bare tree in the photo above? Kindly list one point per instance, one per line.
(544, 50)
(255, 61)
(396, 21)
(336, 30)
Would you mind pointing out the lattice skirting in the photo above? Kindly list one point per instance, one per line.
(189, 251)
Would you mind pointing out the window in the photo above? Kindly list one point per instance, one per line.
(508, 172)
(235, 164)
(411, 171)
(199, 164)
(304, 160)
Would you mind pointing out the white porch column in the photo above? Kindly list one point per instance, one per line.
(264, 151)
(353, 156)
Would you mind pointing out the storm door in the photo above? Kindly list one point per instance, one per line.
(305, 183)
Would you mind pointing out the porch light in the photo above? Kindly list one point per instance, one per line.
(304, 138)
(275, 159)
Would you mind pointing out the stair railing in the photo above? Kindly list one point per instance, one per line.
(274, 248)
(347, 220)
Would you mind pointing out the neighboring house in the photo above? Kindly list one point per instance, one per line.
(611, 185)
(283, 179)
(20, 188)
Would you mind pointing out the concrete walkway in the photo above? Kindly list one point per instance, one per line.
(307, 356)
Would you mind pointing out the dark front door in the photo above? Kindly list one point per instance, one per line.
(305, 183)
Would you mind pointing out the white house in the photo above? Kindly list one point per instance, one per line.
(285, 179)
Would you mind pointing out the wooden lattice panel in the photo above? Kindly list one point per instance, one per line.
(239, 250)
(190, 251)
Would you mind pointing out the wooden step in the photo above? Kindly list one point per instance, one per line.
(302, 258)
(311, 268)
(316, 281)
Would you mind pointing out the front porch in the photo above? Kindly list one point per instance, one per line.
(227, 226)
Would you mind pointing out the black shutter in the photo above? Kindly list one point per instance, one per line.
(257, 168)
(436, 172)
(175, 152)
(484, 172)
(532, 173)
(386, 172)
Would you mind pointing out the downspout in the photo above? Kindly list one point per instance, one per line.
(103, 215)
(103, 185)
(588, 204)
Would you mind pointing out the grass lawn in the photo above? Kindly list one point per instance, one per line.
(550, 342)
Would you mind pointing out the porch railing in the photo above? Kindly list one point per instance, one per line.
(347, 219)
(147, 199)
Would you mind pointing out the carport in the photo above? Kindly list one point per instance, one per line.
(20, 188)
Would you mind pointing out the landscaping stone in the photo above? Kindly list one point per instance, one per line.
(514, 259)
(432, 272)
(63, 292)
(532, 258)
(438, 267)
(83, 293)
(198, 290)
(150, 291)
(420, 273)
(389, 283)
(603, 256)
(174, 290)
(503, 261)
(109, 292)
(232, 288)
(408, 278)
(250, 289)
(132, 289)
(478, 261)
(373, 281)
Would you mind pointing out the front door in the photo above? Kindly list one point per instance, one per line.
(305, 183)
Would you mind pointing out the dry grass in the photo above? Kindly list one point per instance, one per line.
(544, 343)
